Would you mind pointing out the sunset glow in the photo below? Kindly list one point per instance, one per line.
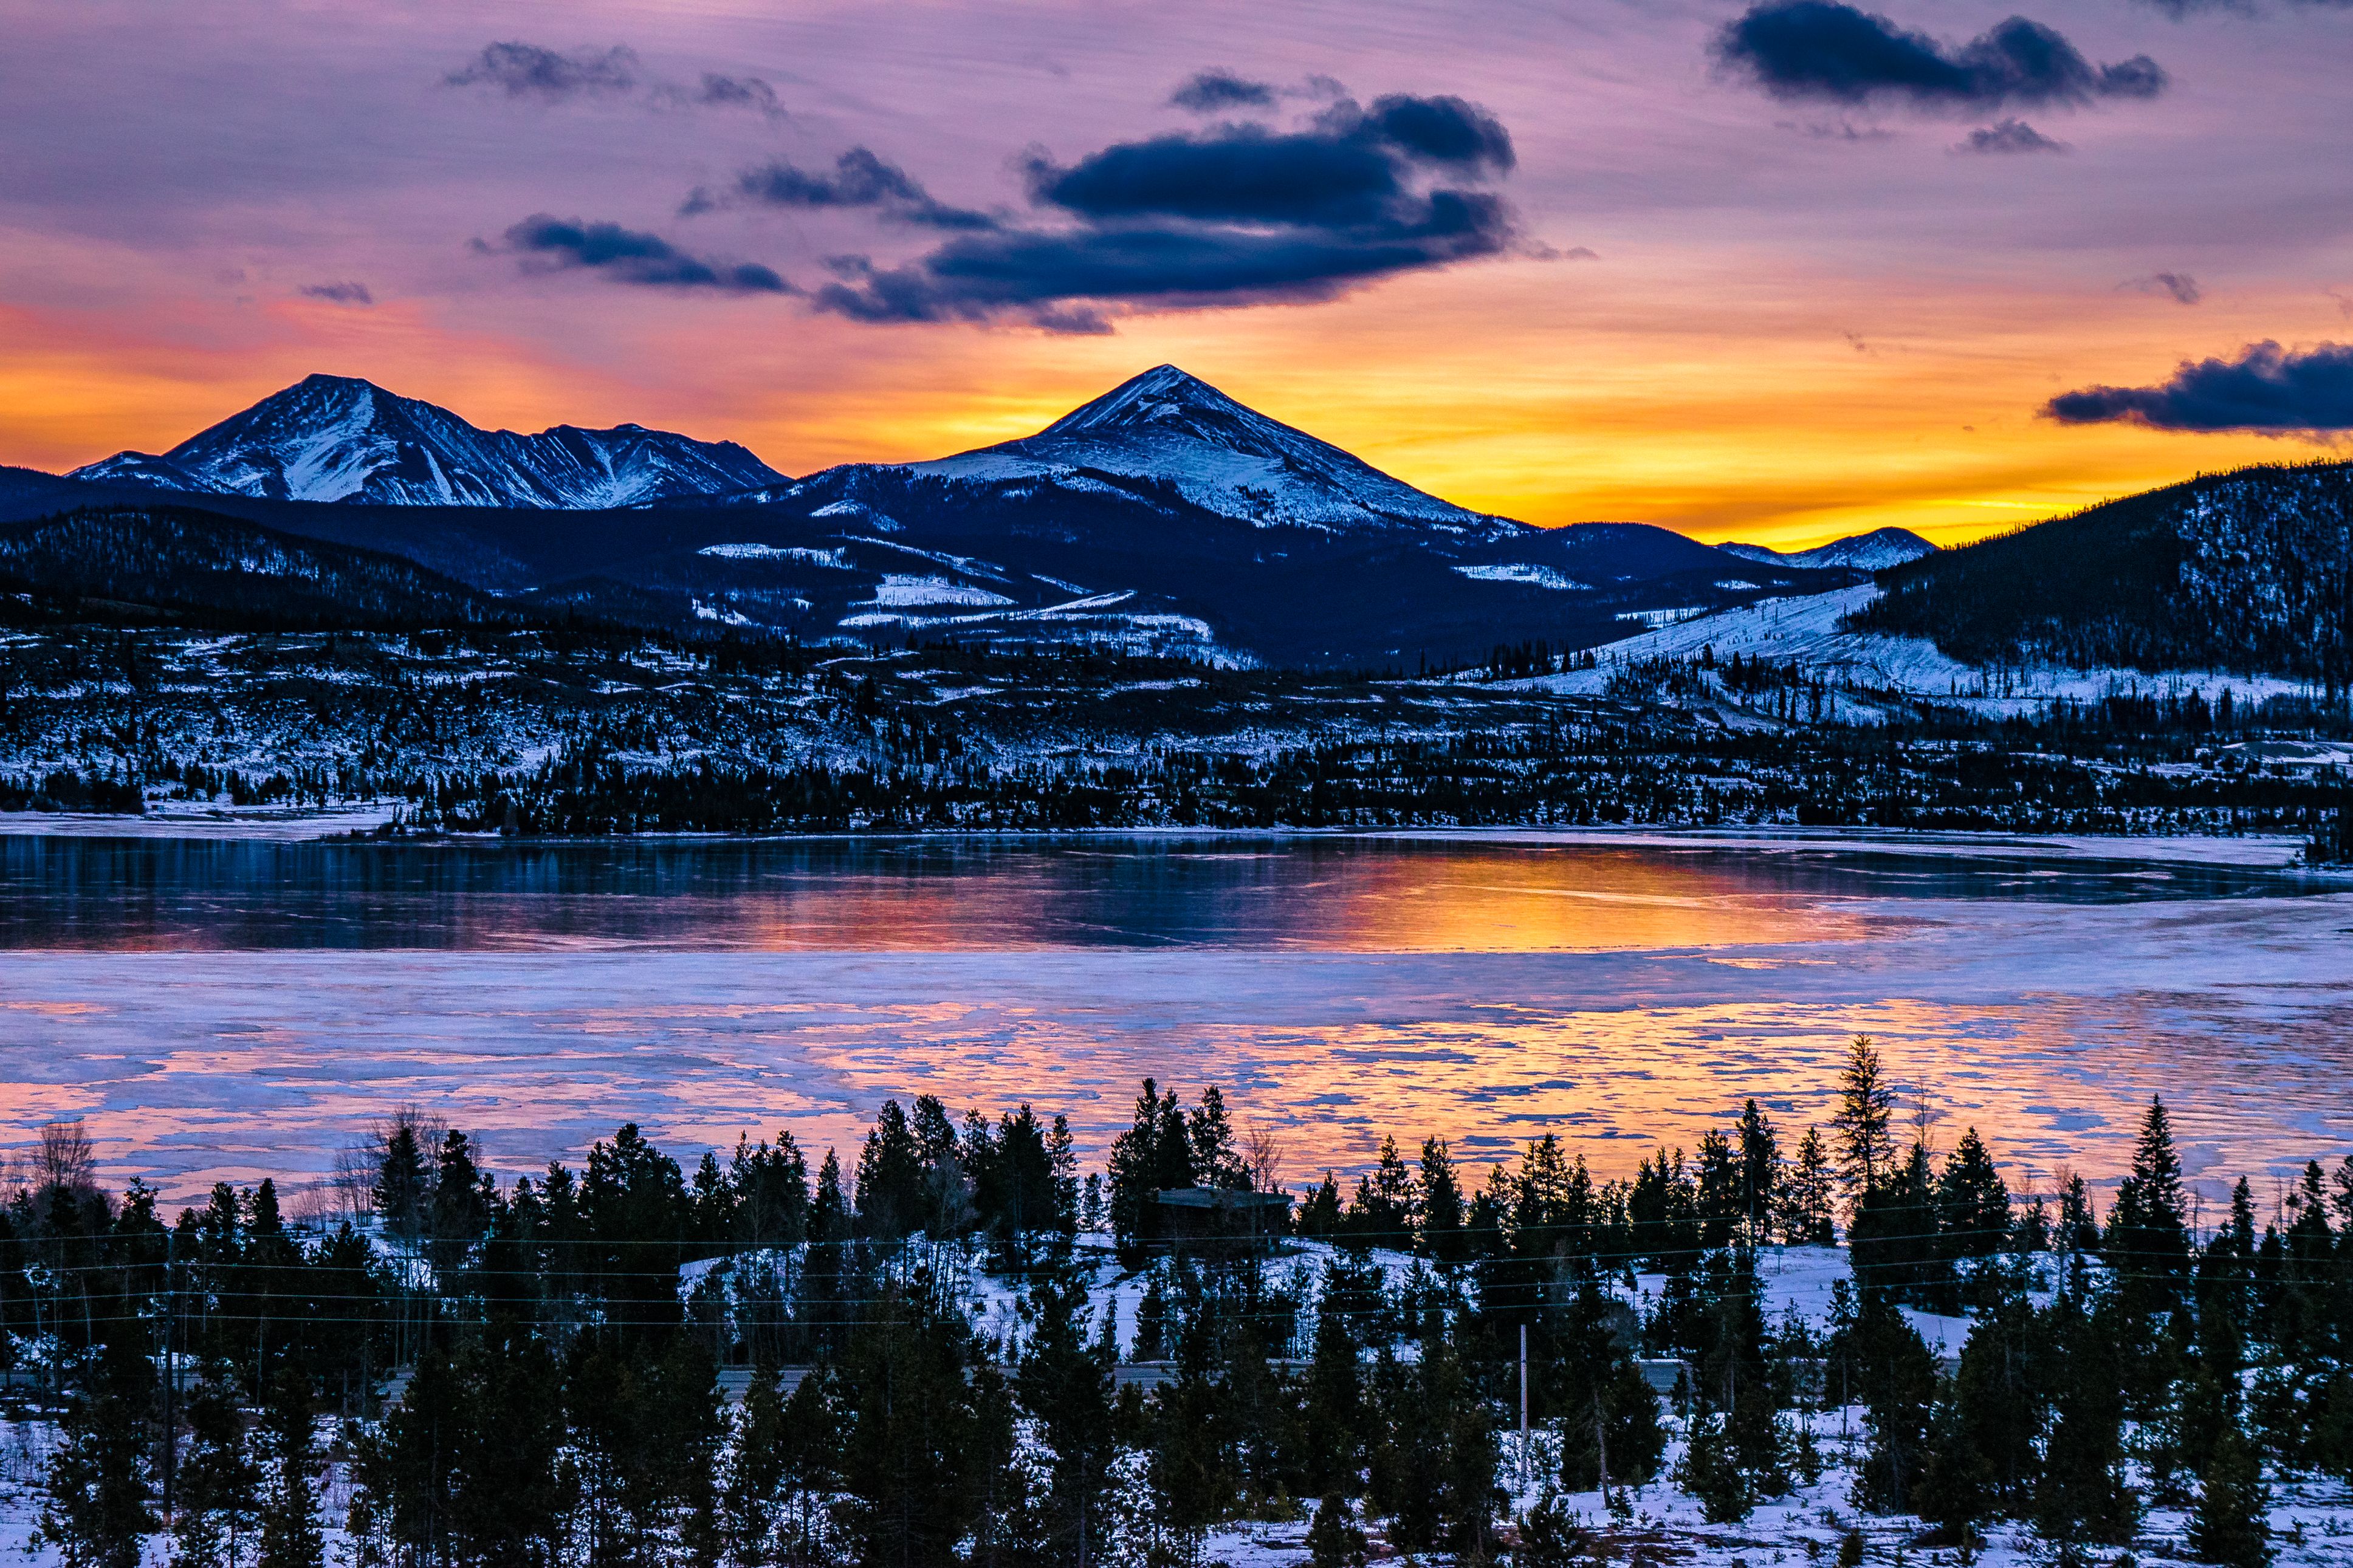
(1795, 321)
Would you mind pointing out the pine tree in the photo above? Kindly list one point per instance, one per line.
(1065, 1383)
(2147, 1239)
(752, 1495)
(1433, 1470)
(1216, 1160)
(2081, 1497)
(1972, 1201)
(1383, 1211)
(218, 1484)
(457, 1210)
(403, 1180)
(1194, 1470)
(1864, 1121)
(290, 1533)
(2231, 1524)
(1722, 1205)
(1896, 1375)
(1140, 1167)
(1761, 1172)
(1334, 1539)
(914, 1459)
(1982, 1461)
(1711, 1473)
(1609, 1428)
(94, 1493)
(1806, 1211)
(891, 1177)
(1319, 1215)
(1441, 1201)
(1334, 1401)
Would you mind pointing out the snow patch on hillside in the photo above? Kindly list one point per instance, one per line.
(1520, 572)
(1807, 631)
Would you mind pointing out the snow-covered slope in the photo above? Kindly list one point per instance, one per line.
(1809, 632)
(1873, 551)
(1167, 425)
(336, 438)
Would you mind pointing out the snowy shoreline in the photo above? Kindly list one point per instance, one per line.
(272, 824)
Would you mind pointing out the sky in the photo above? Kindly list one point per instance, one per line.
(1777, 270)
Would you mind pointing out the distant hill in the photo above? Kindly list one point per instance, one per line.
(2250, 572)
(337, 439)
(178, 566)
(1873, 551)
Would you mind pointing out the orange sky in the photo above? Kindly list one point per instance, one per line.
(1794, 328)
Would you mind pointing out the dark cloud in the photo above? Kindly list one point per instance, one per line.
(1215, 91)
(1354, 166)
(2181, 10)
(1443, 129)
(1836, 130)
(737, 92)
(2268, 390)
(1240, 215)
(1248, 174)
(1821, 50)
(337, 294)
(528, 70)
(2180, 286)
(860, 178)
(631, 256)
(2007, 136)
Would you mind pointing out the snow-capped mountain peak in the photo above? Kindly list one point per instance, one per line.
(336, 438)
(1221, 455)
(1873, 551)
(1167, 398)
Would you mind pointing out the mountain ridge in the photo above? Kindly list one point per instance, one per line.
(1223, 456)
(1162, 516)
(1873, 551)
(342, 438)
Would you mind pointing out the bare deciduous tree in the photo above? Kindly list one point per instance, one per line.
(1263, 1149)
(65, 1161)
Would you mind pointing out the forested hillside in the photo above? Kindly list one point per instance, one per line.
(2250, 572)
(146, 565)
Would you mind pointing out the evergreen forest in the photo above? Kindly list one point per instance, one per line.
(955, 1347)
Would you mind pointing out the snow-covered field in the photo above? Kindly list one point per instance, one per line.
(1805, 631)
(2311, 1519)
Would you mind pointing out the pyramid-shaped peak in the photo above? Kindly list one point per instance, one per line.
(1161, 395)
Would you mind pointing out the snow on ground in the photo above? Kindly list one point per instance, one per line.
(192, 819)
(1805, 631)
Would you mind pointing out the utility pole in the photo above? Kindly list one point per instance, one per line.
(171, 1369)
(1524, 1407)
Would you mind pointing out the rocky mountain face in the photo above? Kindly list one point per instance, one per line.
(335, 439)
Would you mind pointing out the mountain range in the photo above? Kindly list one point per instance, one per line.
(1162, 517)
(335, 439)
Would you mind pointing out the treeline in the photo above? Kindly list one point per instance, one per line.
(646, 734)
(2244, 570)
(530, 1373)
(1572, 774)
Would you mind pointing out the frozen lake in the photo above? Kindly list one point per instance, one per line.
(220, 1008)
